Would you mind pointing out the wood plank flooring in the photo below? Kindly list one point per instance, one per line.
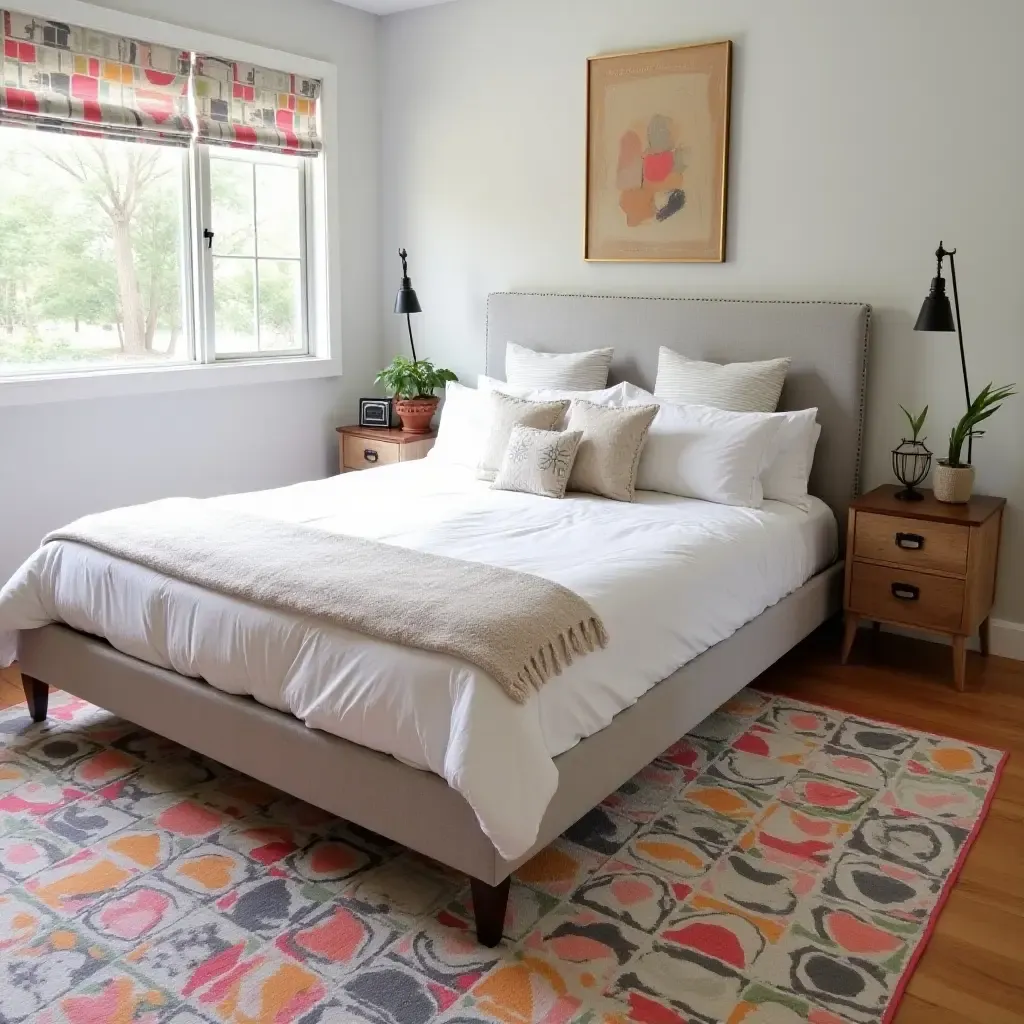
(973, 969)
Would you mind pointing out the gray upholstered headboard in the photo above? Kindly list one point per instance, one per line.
(827, 341)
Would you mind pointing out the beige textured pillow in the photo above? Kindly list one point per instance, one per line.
(538, 461)
(569, 371)
(735, 387)
(609, 453)
(505, 412)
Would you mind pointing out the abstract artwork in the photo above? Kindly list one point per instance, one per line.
(657, 153)
(783, 864)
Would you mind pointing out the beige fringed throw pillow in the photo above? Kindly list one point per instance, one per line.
(609, 453)
(538, 461)
(505, 412)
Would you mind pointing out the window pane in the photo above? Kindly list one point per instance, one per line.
(234, 298)
(280, 305)
(232, 207)
(90, 253)
(277, 210)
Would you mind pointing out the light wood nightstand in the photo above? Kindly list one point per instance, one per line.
(923, 564)
(366, 447)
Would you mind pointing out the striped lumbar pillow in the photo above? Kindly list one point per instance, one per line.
(736, 387)
(568, 371)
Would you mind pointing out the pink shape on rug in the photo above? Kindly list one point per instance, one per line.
(629, 891)
(857, 937)
(189, 819)
(133, 915)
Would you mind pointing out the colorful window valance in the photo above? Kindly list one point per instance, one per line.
(65, 78)
(247, 106)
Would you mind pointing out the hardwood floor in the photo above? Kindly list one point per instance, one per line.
(973, 968)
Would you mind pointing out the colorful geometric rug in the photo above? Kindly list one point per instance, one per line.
(783, 863)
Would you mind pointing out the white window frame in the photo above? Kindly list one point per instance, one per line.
(203, 254)
(321, 244)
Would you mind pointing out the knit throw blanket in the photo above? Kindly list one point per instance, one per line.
(519, 628)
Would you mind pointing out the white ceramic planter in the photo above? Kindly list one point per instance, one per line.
(952, 484)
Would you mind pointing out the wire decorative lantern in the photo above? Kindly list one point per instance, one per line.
(911, 462)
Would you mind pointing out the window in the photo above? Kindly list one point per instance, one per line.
(95, 267)
(92, 253)
(171, 222)
(258, 205)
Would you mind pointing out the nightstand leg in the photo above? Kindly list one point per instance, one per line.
(960, 662)
(983, 637)
(849, 635)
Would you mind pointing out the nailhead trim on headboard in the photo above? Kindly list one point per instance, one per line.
(764, 302)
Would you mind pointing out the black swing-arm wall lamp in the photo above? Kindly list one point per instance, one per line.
(936, 315)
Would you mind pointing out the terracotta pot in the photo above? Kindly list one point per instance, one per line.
(416, 413)
(952, 484)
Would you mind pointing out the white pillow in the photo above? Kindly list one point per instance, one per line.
(789, 466)
(462, 428)
(576, 371)
(738, 387)
(700, 452)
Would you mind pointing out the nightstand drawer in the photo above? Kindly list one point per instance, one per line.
(365, 453)
(904, 596)
(912, 542)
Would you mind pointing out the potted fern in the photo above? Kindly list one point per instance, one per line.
(953, 479)
(412, 383)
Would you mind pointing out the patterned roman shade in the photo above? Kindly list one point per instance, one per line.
(244, 105)
(66, 78)
(63, 77)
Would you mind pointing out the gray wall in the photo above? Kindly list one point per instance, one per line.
(862, 133)
(61, 460)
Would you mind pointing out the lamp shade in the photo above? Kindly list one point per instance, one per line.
(936, 314)
(407, 302)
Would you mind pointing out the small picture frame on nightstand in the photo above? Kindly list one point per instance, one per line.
(375, 412)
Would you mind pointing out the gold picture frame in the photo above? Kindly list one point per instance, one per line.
(658, 154)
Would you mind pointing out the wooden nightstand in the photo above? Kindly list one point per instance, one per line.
(366, 447)
(923, 564)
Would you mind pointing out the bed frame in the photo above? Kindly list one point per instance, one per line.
(828, 345)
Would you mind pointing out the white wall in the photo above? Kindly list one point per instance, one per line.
(862, 134)
(61, 460)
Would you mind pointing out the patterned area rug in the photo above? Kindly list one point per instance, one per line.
(784, 863)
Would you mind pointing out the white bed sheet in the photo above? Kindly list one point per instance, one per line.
(669, 576)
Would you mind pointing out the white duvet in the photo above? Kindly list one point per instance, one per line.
(669, 576)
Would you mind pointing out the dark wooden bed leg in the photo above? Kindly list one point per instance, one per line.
(489, 904)
(37, 693)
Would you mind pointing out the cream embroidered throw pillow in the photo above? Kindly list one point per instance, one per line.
(609, 453)
(505, 412)
(538, 461)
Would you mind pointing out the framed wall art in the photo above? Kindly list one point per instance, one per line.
(658, 154)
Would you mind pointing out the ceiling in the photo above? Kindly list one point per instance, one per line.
(389, 6)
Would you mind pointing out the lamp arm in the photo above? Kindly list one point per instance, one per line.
(960, 336)
(412, 344)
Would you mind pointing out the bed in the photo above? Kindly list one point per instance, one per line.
(502, 780)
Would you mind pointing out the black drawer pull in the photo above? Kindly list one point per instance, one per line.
(909, 541)
(370, 455)
(905, 591)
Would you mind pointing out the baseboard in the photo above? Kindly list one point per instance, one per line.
(1006, 638)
